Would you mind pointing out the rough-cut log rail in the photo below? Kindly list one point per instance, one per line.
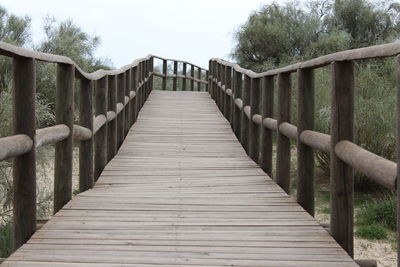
(181, 192)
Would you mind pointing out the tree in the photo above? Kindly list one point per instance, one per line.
(279, 34)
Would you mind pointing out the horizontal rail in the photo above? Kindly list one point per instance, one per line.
(81, 133)
(13, 146)
(51, 135)
(181, 61)
(98, 122)
(378, 169)
(376, 51)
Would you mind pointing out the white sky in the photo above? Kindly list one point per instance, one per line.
(189, 30)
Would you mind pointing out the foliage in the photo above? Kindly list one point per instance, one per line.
(372, 232)
(277, 35)
(382, 212)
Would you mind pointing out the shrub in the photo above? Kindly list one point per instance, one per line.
(383, 212)
(373, 232)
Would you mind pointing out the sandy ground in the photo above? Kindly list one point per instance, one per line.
(382, 251)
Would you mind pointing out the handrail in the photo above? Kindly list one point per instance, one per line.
(119, 96)
(246, 99)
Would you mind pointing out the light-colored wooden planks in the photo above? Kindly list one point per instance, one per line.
(181, 192)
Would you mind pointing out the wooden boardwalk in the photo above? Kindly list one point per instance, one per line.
(181, 192)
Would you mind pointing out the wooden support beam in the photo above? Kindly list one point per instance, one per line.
(184, 74)
(283, 142)
(134, 110)
(244, 130)
(192, 75)
(174, 80)
(100, 138)
(199, 79)
(128, 106)
(237, 94)
(121, 115)
(164, 79)
(24, 166)
(112, 125)
(254, 129)
(267, 104)
(342, 188)
(398, 157)
(63, 150)
(228, 98)
(305, 154)
(86, 175)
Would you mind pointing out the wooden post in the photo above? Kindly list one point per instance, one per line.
(254, 129)
(128, 111)
(267, 104)
(228, 98)
(86, 179)
(222, 94)
(398, 159)
(199, 77)
(207, 79)
(151, 70)
(175, 73)
(184, 79)
(192, 76)
(283, 142)
(164, 79)
(24, 166)
(112, 125)
(305, 154)
(217, 79)
(134, 110)
(244, 129)
(236, 110)
(63, 150)
(100, 138)
(342, 174)
(121, 116)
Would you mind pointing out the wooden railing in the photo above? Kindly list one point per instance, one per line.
(119, 96)
(246, 100)
(195, 82)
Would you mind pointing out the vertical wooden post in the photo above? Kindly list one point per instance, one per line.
(342, 174)
(236, 110)
(398, 158)
(207, 78)
(121, 116)
(199, 77)
(228, 98)
(305, 154)
(112, 125)
(283, 142)
(164, 79)
(222, 92)
(184, 79)
(192, 76)
(244, 121)
(151, 70)
(128, 111)
(141, 91)
(63, 149)
(86, 179)
(175, 73)
(100, 138)
(217, 79)
(267, 112)
(254, 128)
(24, 166)
(134, 100)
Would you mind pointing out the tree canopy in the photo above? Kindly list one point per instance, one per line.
(279, 34)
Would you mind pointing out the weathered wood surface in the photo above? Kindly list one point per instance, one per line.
(181, 192)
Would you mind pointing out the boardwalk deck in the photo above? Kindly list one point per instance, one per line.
(181, 192)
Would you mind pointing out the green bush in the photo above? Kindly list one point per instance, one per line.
(5, 239)
(383, 212)
(373, 231)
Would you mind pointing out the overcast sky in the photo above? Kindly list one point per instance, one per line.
(194, 31)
